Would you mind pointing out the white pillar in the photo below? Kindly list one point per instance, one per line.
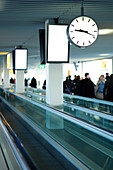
(54, 84)
(19, 85)
(82, 73)
(6, 73)
(112, 65)
(0, 74)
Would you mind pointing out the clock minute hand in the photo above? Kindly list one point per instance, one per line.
(84, 31)
(81, 31)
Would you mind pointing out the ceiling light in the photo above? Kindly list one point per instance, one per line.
(104, 54)
(105, 31)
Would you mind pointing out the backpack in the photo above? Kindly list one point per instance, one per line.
(101, 87)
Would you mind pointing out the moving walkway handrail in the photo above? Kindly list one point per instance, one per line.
(17, 143)
(79, 97)
(94, 128)
(93, 112)
(94, 100)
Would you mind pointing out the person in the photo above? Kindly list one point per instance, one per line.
(33, 82)
(26, 82)
(109, 89)
(67, 85)
(76, 85)
(86, 87)
(107, 76)
(74, 80)
(11, 80)
(100, 87)
(44, 85)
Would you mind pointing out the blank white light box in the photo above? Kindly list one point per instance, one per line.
(21, 57)
(58, 44)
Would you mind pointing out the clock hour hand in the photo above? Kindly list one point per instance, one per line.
(84, 32)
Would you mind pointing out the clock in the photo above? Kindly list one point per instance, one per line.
(82, 31)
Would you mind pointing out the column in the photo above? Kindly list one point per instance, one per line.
(6, 73)
(0, 73)
(54, 89)
(112, 65)
(54, 84)
(19, 85)
(54, 94)
(82, 73)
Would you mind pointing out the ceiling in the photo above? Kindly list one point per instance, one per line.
(20, 21)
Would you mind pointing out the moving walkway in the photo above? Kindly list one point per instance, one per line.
(102, 119)
(82, 141)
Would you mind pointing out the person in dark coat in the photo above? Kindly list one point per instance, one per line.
(67, 85)
(86, 87)
(107, 76)
(26, 82)
(44, 85)
(33, 82)
(108, 89)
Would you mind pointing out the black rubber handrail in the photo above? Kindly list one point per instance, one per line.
(18, 143)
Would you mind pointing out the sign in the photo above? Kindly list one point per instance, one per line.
(41, 66)
(8, 61)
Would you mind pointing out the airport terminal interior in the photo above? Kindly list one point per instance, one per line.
(56, 84)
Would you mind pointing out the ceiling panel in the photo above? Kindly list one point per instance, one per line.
(20, 21)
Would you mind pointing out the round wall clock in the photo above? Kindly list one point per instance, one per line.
(82, 31)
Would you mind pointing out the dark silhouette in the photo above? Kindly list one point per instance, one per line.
(11, 80)
(44, 85)
(86, 87)
(108, 89)
(107, 76)
(33, 83)
(77, 84)
(26, 82)
(67, 85)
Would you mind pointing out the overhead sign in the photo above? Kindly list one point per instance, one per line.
(8, 61)
(41, 66)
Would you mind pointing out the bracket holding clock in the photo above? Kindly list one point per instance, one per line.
(83, 30)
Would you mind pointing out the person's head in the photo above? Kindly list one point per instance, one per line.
(111, 76)
(87, 75)
(102, 77)
(107, 74)
(69, 77)
(75, 76)
(78, 77)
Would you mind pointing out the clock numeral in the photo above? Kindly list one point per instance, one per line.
(83, 43)
(77, 42)
(89, 20)
(93, 25)
(71, 31)
(82, 18)
(94, 37)
(76, 20)
(95, 31)
(90, 42)
(72, 25)
(72, 37)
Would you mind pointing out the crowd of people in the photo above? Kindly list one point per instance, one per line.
(85, 87)
(32, 84)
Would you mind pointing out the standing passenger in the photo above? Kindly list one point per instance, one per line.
(109, 88)
(86, 87)
(100, 87)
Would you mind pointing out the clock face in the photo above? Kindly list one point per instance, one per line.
(82, 31)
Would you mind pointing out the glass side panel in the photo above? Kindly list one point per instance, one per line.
(93, 150)
(96, 105)
(102, 122)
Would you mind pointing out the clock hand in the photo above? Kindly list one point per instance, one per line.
(84, 31)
